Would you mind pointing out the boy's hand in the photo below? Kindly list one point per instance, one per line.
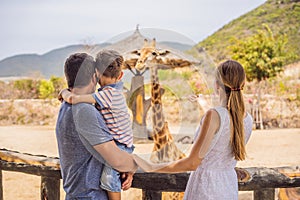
(59, 97)
(127, 178)
(66, 95)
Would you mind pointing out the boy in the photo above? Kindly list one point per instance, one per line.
(111, 103)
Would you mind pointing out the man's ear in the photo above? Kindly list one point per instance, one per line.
(95, 79)
(121, 75)
(97, 72)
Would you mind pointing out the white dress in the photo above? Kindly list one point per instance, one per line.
(215, 178)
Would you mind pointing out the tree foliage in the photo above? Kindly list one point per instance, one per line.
(281, 16)
(50, 88)
(26, 89)
(58, 83)
(262, 54)
(46, 89)
(32, 88)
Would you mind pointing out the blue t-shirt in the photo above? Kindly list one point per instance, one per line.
(78, 129)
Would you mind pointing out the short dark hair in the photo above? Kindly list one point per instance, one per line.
(79, 69)
(109, 63)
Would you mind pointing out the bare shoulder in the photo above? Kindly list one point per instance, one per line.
(212, 114)
(213, 119)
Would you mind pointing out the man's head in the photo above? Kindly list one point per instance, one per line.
(79, 70)
(109, 63)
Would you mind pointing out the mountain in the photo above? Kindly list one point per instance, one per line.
(283, 17)
(176, 45)
(52, 62)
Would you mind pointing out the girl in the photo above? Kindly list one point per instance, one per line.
(219, 142)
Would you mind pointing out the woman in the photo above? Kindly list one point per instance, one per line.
(219, 142)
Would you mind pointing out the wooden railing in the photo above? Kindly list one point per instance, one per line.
(262, 181)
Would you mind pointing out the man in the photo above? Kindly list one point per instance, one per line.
(83, 140)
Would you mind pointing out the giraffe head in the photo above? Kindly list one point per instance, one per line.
(147, 53)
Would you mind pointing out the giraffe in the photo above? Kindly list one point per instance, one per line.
(164, 149)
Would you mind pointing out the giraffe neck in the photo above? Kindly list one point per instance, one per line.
(156, 102)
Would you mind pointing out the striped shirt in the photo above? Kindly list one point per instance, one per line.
(114, 110)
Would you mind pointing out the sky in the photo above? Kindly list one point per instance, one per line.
(34, 26)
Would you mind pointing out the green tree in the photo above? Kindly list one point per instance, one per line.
(58, 83)
(26, 89)
(46, 89)
(262, 56)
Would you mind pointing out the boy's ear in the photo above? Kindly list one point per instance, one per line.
(121, 75)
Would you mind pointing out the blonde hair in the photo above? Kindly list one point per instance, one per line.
(231, 75)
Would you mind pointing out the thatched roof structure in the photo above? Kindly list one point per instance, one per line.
(175, 59)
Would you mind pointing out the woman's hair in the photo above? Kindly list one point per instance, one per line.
(231, 75)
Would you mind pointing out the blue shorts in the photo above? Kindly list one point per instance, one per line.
(110, 178)
(88, 195)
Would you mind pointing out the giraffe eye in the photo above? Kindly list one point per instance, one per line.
(154, 53)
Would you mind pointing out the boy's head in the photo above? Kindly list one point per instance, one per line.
(79, 69)
(109, 63)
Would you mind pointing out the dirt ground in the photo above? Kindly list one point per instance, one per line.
(266, 148)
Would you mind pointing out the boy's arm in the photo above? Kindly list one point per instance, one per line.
(65, 95)
(86, 98)
(74, 99)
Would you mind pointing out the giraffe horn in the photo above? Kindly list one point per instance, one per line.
(153, 42)
(145, 42)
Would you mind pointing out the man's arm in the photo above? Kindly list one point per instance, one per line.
(116, 158)
(93, 132)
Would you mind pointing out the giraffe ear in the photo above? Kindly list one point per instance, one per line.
(163, 52)
(136, 52)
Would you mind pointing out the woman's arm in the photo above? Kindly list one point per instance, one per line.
(210, 126)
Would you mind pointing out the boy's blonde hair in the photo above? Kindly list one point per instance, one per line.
(231, 75)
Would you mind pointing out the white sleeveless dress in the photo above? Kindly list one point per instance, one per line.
(215, 178)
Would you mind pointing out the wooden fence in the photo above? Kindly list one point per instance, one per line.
(263, 181)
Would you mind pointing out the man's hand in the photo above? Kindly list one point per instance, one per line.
(127, 178)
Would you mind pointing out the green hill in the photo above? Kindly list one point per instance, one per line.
(282, 16)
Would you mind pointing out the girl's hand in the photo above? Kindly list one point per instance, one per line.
(193, 98)
(204, 104)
